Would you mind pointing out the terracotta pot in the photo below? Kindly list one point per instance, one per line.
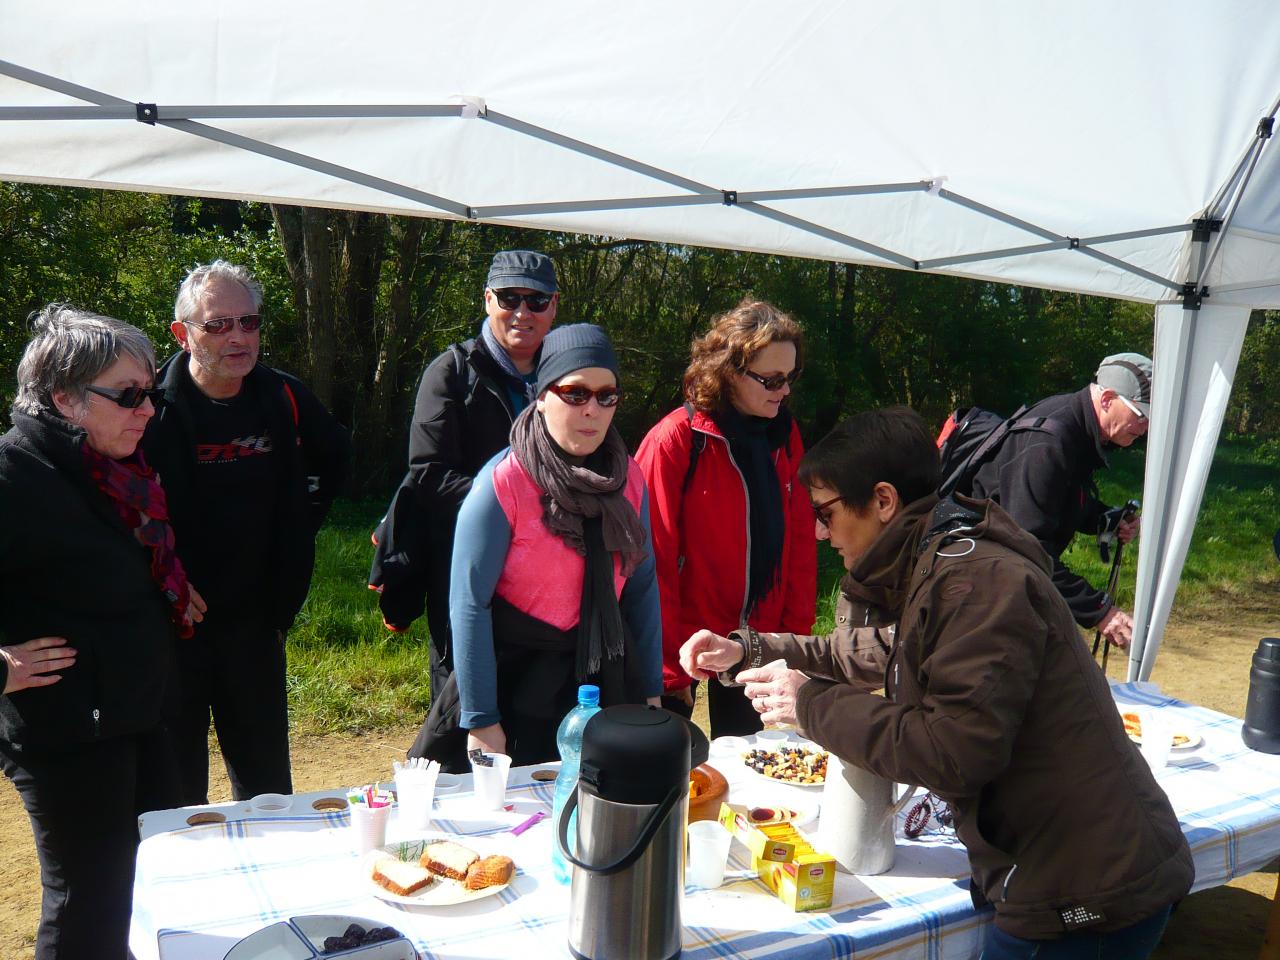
(707, 789)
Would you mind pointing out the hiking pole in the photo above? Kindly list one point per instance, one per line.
(1105, 539)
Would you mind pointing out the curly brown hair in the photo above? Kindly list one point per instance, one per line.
(735, 338)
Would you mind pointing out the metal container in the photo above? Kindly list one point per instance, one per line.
(1261, 729)
(628, 855)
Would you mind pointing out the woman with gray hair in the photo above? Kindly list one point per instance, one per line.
(91, 595)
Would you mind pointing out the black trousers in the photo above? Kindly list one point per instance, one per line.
(236, 672)
(84, 805)
(731, 713)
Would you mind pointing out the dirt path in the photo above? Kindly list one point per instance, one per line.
(1205, 663)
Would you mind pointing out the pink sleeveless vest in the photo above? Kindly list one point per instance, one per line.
(543, 575)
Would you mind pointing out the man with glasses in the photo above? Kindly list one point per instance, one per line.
(250, 460)
(1044, 479)
(467, 400)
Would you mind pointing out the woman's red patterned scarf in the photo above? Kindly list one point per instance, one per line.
(139, 500)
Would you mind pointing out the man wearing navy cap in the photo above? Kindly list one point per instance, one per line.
(467, 400)
(1044, 478)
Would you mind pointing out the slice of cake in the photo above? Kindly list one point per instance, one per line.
(492, 871)
(448, 859)
(400, 877)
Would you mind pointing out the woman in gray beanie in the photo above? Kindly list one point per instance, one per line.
(553, 580)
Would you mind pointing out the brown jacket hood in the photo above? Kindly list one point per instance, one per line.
(882, 577)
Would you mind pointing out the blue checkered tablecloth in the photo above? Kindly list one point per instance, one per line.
(200, 889)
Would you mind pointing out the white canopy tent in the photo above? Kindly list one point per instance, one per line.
(1115, 149)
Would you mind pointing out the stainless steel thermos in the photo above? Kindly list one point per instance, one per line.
(628, 856)
(1261, 730)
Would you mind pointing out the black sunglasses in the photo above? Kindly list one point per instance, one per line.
(130, 397)
(510, 300)
(821, 511)
(577, 396)
(776, 381)
(248, 323)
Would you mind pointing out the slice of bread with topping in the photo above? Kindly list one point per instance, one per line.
(492, 871)
(400, 877)
(448, 859)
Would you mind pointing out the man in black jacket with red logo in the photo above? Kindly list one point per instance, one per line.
(1044, 478)
(251, 461)
(468, 398)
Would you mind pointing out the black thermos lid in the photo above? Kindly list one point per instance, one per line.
(634, 754)
(1268, 650)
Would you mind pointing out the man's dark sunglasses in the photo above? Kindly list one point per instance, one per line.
(510, 300)
(248, 323)
(776, 381)
(130, 397)
(577, 396)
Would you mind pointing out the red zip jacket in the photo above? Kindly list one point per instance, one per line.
(700, 538)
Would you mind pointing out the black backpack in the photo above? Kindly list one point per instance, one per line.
(972, 435)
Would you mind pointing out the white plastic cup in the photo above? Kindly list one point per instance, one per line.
(1157, 738)
(368, 826)
(271, 804)
(490, 783)
(730, 746)
(772, 739)
(708, 854)
(415, 792)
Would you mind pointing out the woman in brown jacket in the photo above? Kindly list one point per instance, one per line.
(992, 701)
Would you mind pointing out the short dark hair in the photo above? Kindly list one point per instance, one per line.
(892, 445)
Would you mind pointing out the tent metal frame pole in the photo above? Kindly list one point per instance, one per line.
(579, 206)
(1259, 145)
(178, 117)
(238, 112)
(243, 143)
(827, 233)
(599, 153)
(319, 166)
(1224, 191)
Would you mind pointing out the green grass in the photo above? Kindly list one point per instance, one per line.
(348, 673)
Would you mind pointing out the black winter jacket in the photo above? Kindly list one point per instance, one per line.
(69, 567)
(317, 452)
(461, 418)
(1045, 482)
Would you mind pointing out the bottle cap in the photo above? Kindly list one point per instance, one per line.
(588, 695)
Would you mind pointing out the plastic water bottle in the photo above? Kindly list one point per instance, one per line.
(569, 743)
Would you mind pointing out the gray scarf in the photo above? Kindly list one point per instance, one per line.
(503, 359)
(572, 493)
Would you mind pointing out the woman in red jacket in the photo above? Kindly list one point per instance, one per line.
(732, 529)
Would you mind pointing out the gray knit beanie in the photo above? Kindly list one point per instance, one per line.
(571, 348)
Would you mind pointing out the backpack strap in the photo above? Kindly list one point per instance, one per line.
(695, 448)
(293, 401)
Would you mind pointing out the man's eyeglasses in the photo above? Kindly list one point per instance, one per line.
(248, 323)
(776, 381)
(577, 396)
(130, 397)
(510, 300)
(822, 511)
(1129, 403)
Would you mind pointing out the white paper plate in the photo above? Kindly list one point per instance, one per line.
(441, 892)
(1193, 740)
(787, 783)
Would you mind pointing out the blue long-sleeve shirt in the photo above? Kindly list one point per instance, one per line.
(481, 545)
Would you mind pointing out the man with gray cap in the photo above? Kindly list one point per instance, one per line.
(467, 400)
(1044, 477)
